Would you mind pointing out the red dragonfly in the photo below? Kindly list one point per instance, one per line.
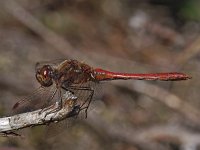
(75, 76)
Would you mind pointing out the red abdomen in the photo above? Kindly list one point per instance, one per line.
(102, 75)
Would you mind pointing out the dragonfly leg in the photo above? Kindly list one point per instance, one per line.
(60, 103)
(58, 106)
(75, 111)
(88, 100)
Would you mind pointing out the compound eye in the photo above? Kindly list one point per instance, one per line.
(43, 75)
(46, 73)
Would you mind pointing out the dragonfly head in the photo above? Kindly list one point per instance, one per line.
(44, 75)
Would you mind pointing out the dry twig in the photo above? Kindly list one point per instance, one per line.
(41, 116)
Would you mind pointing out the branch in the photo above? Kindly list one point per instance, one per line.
(41, 116)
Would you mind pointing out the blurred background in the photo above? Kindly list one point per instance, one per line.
(139, 36)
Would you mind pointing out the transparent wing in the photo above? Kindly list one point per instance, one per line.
(40, 98)
(55, 129)
(53, 63)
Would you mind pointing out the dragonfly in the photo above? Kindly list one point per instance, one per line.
(78, 77)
